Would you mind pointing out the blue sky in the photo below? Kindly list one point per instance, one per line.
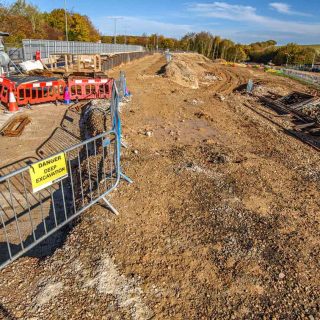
(240, 20)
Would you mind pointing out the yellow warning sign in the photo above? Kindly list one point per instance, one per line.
(46, 172)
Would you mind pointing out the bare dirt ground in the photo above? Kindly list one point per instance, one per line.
(222, 221)
(44, 119)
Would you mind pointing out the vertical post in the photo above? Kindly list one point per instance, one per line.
(66, 18)
(99, 63)
(30, 53)
(78, 62)
(66, 62)
(48, 49)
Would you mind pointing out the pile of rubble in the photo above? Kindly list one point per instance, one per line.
(96, 118)
(312, 111)
(185, 71)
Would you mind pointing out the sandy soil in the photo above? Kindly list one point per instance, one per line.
(44, 119)
(222, 221)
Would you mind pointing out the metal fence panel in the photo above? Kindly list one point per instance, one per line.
(15, 54)
(312, 78)
(27, 217)
(48, 47)
(118, 59)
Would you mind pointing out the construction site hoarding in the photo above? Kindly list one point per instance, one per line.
(49, 47)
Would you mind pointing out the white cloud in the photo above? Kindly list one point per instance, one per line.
(223, 10)
(282, 7)
(248, 14)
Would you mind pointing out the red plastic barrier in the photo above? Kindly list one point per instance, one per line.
(40, 92)
(50, 91)
(5, 86)
(90, 89)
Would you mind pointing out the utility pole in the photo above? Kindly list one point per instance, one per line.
(66, 19)
(115, 31)
(125, 34)
(115, 19)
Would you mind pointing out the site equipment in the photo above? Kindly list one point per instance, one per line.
(4, 58)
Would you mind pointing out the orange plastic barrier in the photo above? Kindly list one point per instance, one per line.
(90, 89)
(5, 87)
(40, 92)
(50, 91)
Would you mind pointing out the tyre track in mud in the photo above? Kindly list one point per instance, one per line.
(229, 79)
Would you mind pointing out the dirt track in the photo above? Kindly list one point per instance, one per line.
(222, 221)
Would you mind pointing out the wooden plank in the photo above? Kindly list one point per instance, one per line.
(5, 118)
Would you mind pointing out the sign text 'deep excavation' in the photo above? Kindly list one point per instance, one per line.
(46, 172)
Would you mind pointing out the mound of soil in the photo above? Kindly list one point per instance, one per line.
(181, 73)
(188, 70)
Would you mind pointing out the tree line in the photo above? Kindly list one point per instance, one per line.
(215, 47)
(24, 20)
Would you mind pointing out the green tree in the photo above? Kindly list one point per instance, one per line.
(292, 53)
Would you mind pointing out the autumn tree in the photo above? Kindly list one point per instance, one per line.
(21, 20)
(24, 20)
(82, 29)
(56, 21)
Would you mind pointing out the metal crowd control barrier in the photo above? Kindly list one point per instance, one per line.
(116, 123)
(33, 205)
(121, 84)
